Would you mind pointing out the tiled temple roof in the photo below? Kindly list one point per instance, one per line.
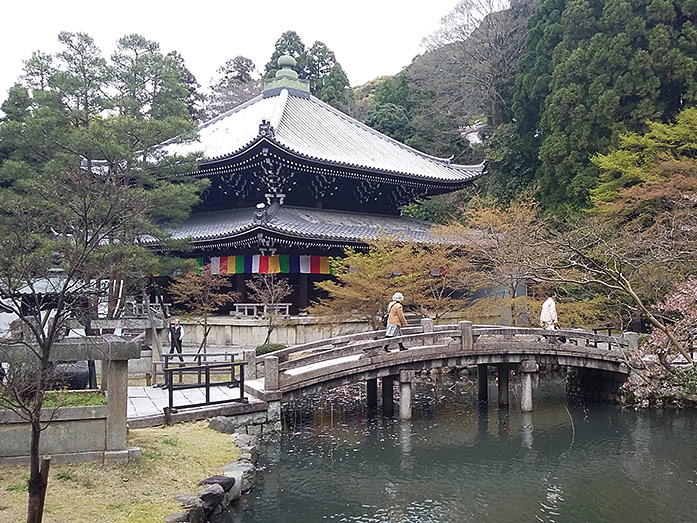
(312, 129)
(336, 227)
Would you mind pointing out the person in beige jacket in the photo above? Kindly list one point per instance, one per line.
(395, 319)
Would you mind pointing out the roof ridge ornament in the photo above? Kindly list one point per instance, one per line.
(286, 77)
(266, 129)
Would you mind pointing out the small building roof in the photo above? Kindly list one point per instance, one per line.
(311, 129)
(303, 226)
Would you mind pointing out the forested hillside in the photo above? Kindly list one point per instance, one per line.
(554, 84)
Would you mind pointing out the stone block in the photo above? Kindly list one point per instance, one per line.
(188, 501)
(246, 456)
(236, 491)
(133, 453)
(254, 429)
(248, 444)
(249, 473)
(211, 496)
(115, 456)
(273, 412)
(232, 424)
(224, 481)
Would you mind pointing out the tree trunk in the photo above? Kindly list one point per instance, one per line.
(38, 475)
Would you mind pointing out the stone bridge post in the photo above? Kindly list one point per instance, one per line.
(250, 356)
(427, 324)
(504, 373)
(527, 369)
(387, 395)
(406, 377)
(371, 392)
(466, 335)
(271, 381)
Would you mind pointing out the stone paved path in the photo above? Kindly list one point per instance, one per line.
(145, 402)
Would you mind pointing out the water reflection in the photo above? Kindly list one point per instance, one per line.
(458, 461)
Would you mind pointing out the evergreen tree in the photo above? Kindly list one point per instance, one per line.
(318, 65)
(614, 66)
(194, 100)
(235, 85)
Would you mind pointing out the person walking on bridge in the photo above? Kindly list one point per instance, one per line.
(395, 319)
(548, 315)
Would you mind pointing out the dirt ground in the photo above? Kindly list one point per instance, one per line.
(173, 460)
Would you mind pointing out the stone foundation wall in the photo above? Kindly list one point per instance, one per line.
(227, 331)
(253, 423)
(594, 384)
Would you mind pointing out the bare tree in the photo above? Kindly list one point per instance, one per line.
(90, 222)
(483, 40)
(201, 294)
(269, 290)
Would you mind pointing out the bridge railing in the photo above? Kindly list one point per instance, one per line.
(453, 338)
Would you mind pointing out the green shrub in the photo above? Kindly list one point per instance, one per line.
(269, 347)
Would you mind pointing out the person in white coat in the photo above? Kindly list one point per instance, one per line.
(548, 315)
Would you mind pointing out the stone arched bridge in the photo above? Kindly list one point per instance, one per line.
(363, 357)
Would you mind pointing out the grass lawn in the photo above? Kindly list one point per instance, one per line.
(173, 460)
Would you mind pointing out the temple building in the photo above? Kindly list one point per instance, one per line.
(294, 181)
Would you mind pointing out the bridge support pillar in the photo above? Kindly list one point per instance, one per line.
(387, 395)
(482, 382)
(371, 388)
(406, 377)
(527, 369)
(504, 373)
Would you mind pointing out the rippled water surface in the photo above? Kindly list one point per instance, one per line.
(455, 462)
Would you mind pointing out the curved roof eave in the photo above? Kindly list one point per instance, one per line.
(473, 171)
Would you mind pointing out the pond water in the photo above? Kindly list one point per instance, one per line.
(456, 462)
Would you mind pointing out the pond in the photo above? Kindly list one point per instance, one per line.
(456, 462)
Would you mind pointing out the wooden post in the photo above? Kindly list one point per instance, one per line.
(304, 302)
(387, 395)
(466, 335)
(240, 287)
(504, 373)
(482, 382)
(43, 472)
(371, 388)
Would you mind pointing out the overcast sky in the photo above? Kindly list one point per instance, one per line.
(370, 37)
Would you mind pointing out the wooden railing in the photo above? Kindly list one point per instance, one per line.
(203, 372)
(434, 341)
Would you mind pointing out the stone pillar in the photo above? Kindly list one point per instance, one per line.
(482, 382)
(427, 324)
(526, 430)
(527, 369)
(116, 405)
(632, 339)
(371, 388)
(271, 381)
(504, 373)
(250, 356)
(406, 378)
(466, 335)
(387, 396)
